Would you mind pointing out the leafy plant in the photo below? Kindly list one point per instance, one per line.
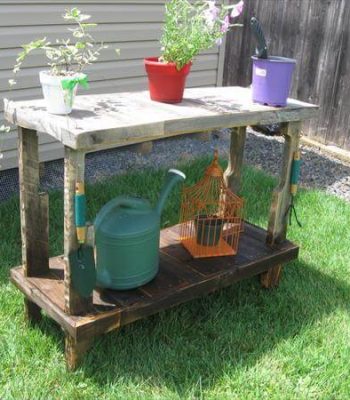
(190, 28)
(66, 56)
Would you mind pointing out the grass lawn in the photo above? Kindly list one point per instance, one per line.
(242, 342)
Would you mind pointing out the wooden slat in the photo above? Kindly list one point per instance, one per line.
(178, 282)
(281, 196)
(32, 312)
(112, 120)
(74, 168)
(50, 284)
(281, 200)
(173, 275)
(125, 298)
(233, 171)
(52, 150)
(33, 207)
(74, 350)
(42, 300)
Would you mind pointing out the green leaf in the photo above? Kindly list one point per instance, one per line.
(80, 45)
(78, 34)
(89, 25)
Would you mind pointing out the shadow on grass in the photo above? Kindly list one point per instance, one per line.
(207, 338)
(204, 339)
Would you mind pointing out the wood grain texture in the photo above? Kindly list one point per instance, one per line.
(33, 207)
(74, 170)
(99, 121)
(180, 279)
(32, 312)
(271, 278)
(142, 148)
(281, 200)
(75, 351)
(233, 172)
(315, 33)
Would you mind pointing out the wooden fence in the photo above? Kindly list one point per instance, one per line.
(317, 34)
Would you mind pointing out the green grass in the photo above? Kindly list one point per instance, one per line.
(239, 343)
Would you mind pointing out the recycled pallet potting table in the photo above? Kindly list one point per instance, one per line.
(105, 120)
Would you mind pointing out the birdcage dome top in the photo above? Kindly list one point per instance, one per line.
(214, 168)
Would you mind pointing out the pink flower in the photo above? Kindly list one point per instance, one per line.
(211, 13)
(212, 6)
(226, 24)
(237, 9)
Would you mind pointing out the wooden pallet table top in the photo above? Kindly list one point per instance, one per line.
(103, 120)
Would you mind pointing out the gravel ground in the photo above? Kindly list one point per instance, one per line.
(264, 152)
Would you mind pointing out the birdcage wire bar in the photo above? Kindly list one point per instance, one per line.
(211, 216)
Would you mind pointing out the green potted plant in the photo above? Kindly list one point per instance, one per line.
(67, 59)
(189, 28)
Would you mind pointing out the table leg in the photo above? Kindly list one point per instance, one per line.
(74, 168)
(34, 208)
(278, 220)
(233, 172)
(75, 351)
(32, 312)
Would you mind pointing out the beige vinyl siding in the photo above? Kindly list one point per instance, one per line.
(132, 26)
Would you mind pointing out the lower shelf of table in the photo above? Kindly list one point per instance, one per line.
(181, 278)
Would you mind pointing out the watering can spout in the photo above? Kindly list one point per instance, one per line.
(174, 176)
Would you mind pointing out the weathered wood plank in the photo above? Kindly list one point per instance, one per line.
(100, 121)
(74, 169)
(277, 227)
(143, 148)
(182, 281)
(33, 207)
(32, 312)
(281, 199)
(75, 351)
(41, 299)
(233, 172)
(205, 286)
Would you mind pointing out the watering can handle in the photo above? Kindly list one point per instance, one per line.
(261, 49)
(121, 201)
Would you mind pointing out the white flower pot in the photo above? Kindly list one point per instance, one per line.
(58, 100)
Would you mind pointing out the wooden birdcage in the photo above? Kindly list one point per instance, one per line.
(211, 216)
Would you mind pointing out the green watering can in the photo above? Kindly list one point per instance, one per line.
(127, 231)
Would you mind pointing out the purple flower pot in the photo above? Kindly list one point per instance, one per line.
(272, 78)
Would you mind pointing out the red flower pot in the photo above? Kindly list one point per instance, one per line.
(166, 84)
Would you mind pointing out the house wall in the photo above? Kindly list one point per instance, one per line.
(132, 26)
(316, 33)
